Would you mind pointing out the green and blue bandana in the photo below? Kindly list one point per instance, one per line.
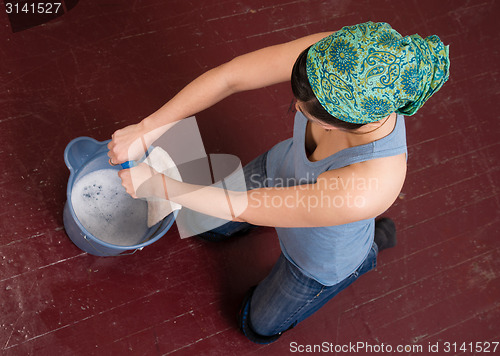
(365, 72)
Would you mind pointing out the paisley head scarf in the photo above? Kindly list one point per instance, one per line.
(365, 72)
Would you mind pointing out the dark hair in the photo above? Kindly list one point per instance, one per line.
(302, 91)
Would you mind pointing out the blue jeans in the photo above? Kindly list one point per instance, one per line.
(286, 296)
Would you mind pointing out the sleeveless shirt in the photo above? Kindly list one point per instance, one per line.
(327, 254)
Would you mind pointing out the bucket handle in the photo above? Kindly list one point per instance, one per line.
(120, 254)
(78, 151)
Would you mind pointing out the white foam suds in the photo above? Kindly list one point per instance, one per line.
(105, 209)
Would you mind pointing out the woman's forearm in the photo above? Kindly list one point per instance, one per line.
(257, 69)
(267, 66)
(213, 200)
(131, 142)
(203, 92)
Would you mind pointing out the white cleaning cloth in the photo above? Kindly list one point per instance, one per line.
(161, 162)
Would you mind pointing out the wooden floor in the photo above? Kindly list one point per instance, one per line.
(106, 64)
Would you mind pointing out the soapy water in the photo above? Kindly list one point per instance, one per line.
(105, 209)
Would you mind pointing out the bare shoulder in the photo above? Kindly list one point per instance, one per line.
(388, 172)
(372, 186)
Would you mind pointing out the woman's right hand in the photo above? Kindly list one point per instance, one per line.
(127, 144)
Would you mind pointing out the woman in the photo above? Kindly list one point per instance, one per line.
(344, 166)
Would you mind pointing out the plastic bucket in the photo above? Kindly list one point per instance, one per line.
(82, 156)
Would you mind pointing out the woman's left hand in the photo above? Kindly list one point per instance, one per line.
(139, 177)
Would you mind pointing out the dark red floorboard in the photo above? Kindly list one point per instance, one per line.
(105, 65)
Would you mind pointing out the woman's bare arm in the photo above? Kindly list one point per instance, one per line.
(261, 68)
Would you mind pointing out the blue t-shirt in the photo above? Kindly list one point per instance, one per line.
(327, 254)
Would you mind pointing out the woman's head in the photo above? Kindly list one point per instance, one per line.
(363, 73)
(303, 92)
